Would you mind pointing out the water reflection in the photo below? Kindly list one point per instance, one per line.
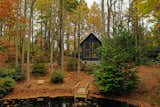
(68, 102)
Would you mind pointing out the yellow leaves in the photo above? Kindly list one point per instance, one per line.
(146, 7)
(94, 17)
(44, 5)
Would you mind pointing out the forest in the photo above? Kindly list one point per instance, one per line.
(82, 49)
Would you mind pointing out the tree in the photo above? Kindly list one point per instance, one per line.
(147, 7)
(29, 38)
(53, 17)
(23, 37)
(17, 32)
(82, 12)
(61, 35)
(103, 15)
(94, 18)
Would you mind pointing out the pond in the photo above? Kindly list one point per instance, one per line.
(66, 102)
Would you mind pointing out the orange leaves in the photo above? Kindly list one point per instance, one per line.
(8, 15)
(5, 7)
(7, 49)
(22, 20)
(8, 8)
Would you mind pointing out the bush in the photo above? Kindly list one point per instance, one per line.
(19, 75)
(111, 80)
(57, 77)
(14, 73)
(6, 85)
(72, 65)
(39, 55)
(91, 67)
(39, 69)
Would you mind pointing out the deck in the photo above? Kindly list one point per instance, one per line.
(81, 91)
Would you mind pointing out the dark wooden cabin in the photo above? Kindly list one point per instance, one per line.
(89, 48)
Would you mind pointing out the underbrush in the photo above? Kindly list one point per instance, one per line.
(57, 77)
(39, 69)
(72, 64)
(6, 85)
(90, 68)
(14, 73)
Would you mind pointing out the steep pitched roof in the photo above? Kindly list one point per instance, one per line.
(96, 35)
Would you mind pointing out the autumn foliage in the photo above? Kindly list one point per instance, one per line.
(7, 53)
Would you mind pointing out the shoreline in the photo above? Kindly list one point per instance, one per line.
(143, 96)
(91, 96)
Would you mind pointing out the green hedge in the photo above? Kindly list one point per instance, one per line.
(39, 69)
(57, 77)
(6, 85)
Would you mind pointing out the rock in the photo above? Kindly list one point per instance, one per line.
(40, 82)
(5, 102)
(40, 99)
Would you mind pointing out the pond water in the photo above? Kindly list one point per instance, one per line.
(67, 102)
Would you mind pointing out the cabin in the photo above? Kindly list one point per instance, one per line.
(89, 48)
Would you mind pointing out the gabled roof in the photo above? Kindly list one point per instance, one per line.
(96, 35)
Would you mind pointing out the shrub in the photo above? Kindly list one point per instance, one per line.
(6, 85)
(19, 75)
(72, 65)
(111, 80)
(39, 56)
(39, 69)
(158, 57)
(14, 73)
(91, 67)
(57, 77)
(7, 72)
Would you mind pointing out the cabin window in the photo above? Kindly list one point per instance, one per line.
(89, 48)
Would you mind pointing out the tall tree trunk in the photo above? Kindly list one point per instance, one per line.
(135, 27)
(23, 48)
(61, 35)
(109, 5)
(78, 65)
(29, 38)
(51, 50)
(41, 41)
(74, 54)
(32, 28)
(45, 34)
(68, 43)
(103, 16)
(79, 32)
(49, 34)
(17, 33)
(114, 19)
(1, 29)
(129, 15)
(52, 35)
